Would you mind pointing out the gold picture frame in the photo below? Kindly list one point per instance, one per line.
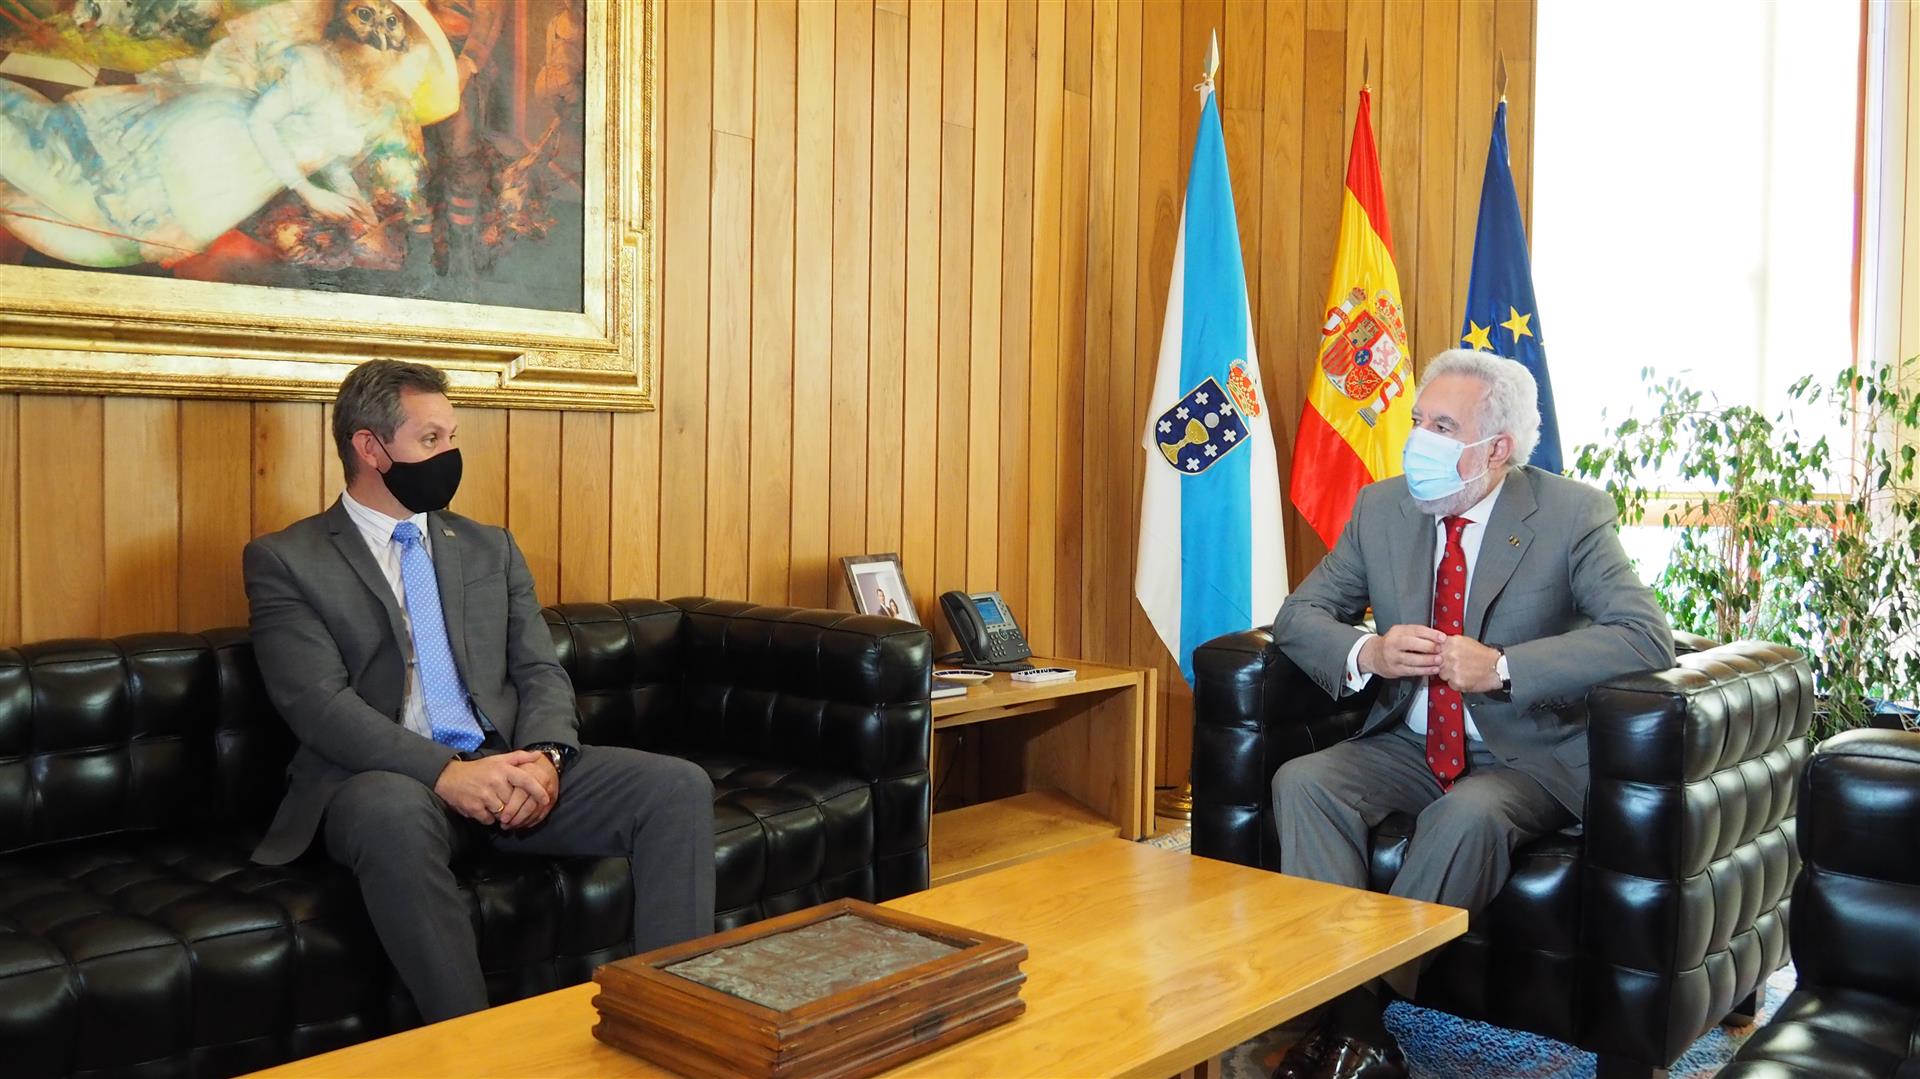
(80, 331)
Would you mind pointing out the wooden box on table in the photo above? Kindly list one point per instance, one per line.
(843, 989)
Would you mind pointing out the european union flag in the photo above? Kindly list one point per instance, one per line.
(1501, 316)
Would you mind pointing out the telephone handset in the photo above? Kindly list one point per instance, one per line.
(984, 626)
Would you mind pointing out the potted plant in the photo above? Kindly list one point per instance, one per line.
(1783, 537)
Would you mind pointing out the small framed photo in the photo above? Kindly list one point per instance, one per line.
(878, 586)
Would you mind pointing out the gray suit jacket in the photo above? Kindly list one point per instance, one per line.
(327, 634)
(1552, 586)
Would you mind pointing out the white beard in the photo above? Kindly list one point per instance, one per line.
(1462, 500)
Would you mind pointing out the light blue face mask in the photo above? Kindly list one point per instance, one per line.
(1432, 464)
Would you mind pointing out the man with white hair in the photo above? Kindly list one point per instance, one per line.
(1500, 594)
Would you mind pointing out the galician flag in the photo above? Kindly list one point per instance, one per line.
(1501, 316)
(1359, 407)
(1212, 559)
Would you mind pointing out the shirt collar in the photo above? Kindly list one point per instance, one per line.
(376, 523)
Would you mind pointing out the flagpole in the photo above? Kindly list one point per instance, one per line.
(1176, 803)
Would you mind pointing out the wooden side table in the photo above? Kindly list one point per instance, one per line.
(1071, 764)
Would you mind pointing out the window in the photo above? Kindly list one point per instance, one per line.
(1693, 207)
(1693, 210)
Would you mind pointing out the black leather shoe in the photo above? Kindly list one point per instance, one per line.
(1302, 1060)
(1344, 1056)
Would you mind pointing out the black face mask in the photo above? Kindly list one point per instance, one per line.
(423, 486)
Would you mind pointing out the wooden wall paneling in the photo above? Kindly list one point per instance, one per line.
(729, 301)
(216, 513)
(1164, 93)
(9, 519)
(1323, 184)
(1014, 485)
(586, 507)
(482, 440)
(1472, 127)
(1043, 436)
(733, 33)
(286, 463)
(770, 434)
(1100, 590)
(1398, 80)
(682, 378)
(920, 461)
(983, 374)
(1198, 21)
(1513, 37)
(62, 517)
(1434, 327)
(534, 463)
(1287, 298)
(634, 550)
(885, 400)
(1123, 421)
(1076, 135)
(813, 584)
(951, 487)
(729, 365)
(1241, 124)
(635, 546)
(141, 514)
(1366, 28)
(852, 223)
(333, 477)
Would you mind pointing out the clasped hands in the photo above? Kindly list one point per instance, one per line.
(514, 790)
(1410, 651)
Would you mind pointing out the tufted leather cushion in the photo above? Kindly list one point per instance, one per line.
(1629, 938)
(1856, 918)
(136, 774)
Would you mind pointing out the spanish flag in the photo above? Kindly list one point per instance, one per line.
(1360, 395)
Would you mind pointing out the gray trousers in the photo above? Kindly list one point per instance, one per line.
(1326, 804)
(400, 840)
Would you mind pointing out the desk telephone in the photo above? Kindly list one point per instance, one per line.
(984, 626)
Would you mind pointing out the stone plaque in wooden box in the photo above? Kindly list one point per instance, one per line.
(840, 990)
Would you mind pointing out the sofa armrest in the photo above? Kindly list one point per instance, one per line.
(1859, 831)
(1253, 711)
(841, 692)
(1689, 838)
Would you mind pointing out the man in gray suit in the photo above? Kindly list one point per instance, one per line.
(404, 646)
(1501, 594)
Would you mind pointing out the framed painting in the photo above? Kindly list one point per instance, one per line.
(245, 198)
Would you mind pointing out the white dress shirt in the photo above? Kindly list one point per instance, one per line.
(377, 529)
(1470, 538)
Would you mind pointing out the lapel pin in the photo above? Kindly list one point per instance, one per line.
(449, 532)
(1515, 540)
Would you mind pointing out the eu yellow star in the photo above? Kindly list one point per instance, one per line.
(1517, 323)
(1477, 337)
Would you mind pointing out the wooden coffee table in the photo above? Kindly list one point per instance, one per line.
(1142, 962)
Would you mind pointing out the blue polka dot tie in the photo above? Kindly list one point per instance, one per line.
(1446, 723)
(448, 712)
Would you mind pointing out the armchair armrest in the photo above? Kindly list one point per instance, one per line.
(1858, 824)
(1689, 838)
(1253, 711)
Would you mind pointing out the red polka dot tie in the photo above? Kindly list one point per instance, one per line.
(1446, 722)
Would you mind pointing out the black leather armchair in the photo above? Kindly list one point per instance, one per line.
(1856, 919)
(135, 774)
(1630, 939)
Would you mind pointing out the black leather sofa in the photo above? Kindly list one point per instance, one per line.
(1856, 919)
(1629, 939)
(137, 939)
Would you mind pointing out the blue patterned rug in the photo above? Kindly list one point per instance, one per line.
(1442, 1046)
